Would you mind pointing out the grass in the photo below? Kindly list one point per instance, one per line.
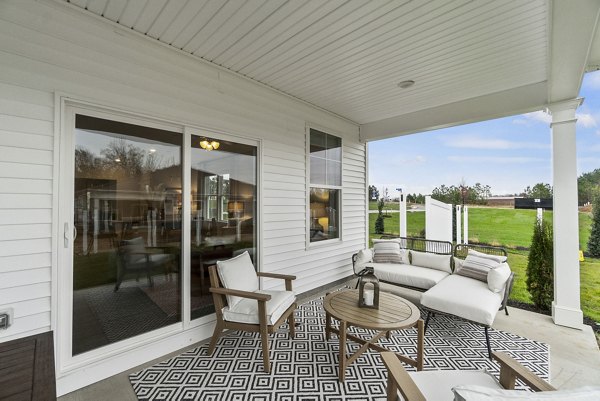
(388, 205)
(512, 228)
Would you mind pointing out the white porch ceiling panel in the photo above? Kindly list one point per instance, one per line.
(348, 56)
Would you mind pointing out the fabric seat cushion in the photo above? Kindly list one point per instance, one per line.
(463, 297)
(362, 258)
(246, 311)
(436, 385)
(407, 275)
(470, 392)
(431, 261)
(477, 265)
(237, 274)
(388, 251)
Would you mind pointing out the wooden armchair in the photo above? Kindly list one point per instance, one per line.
(437, 385)
(240, 305)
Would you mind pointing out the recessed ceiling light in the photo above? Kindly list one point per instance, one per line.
(406, 84)
(118, 160)
(152, 150)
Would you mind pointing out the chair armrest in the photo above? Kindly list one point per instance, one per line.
(511, 369)
(287, 277)
(238, 293)
(507, 289)
(399, 379)
(276, 275)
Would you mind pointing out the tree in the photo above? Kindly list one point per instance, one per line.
(379, 225)
(540, 266)
(462, 194)
(588, 186)
(594, 241)
(373, 192)
(539, 190)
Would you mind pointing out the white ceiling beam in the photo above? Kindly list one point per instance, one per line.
(573, 30)
(501, 104)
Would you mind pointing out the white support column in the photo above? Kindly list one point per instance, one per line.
(458, 224)
(566, 309)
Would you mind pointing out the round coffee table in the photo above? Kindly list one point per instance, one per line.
(394, 313)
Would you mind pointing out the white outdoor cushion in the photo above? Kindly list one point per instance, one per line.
(407, 275)
(477, 393)
(477, 267)
(246, 311)
(464, 297)
(237, 274)
(496, 278)
(497, 258)
(436, 385)
(388, 251)
(431, 260)
(362, 258)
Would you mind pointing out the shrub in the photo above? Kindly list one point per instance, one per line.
(540, 266)
(594, 241)
(379, 225)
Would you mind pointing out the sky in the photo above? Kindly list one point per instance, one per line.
(507, 154)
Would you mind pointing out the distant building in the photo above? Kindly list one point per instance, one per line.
(501, 201)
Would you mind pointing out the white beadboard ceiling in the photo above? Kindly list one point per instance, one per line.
(348, 56)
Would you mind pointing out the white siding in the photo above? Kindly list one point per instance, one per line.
(46, 47)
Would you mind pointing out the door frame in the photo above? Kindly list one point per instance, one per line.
(74, 372)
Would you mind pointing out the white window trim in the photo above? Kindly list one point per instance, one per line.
(339, 239)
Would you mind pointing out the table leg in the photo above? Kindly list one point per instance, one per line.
(327, 326)
(420, 343)
(342, 335)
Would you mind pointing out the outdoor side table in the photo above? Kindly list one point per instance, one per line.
(394, 313)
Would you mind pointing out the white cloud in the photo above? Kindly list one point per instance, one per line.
(585, 120)
(532, 118)
(481, 142)
(592, 80)
(495, 159)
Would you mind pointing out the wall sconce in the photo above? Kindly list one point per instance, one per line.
(209, 145)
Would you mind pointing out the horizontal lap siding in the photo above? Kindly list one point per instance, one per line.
(46, 48)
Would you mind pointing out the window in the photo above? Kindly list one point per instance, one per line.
(325, 186)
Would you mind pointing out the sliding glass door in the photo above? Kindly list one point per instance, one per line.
(223, 212)
(127, 223)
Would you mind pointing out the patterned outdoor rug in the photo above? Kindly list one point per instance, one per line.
(306, 368)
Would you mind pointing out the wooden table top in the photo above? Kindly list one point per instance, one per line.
(394, 312)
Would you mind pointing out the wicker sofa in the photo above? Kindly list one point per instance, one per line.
(429, 267)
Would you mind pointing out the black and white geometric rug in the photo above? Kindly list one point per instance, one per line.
(306, 368)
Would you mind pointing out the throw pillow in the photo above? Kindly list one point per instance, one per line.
(477, 265)
(497, 258)
(387, 251)
(362, 258)
(431, 260)
(458, 262)
(480, 393)
(496, 278)
(237, 274)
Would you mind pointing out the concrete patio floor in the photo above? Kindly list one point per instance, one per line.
(574, 354)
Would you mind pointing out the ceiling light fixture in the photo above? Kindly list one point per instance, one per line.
(406, 84)
(209, 144)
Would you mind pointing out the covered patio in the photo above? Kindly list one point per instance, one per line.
(291, 92)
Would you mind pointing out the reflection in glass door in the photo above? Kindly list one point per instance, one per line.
(223, 212)
(127, 217)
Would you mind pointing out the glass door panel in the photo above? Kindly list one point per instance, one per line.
(127, 217)
(223, 212)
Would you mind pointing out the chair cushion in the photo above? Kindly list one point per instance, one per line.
(362, 258)
(407, 275)
(436, 385)
(237, 274)
(477, 393)
(477, 265)
(496, 278)
(388, 251)
(246, 311)
(463, 297)
(431, 260)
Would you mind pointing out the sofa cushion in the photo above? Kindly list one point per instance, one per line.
(362, 258)
(431, 260)
(246, 311)
(496, 278)
(477, 265)
(437, 384)
(237, 274)
(407, 275)
(480, 393)
(388, 251)
(463, 297)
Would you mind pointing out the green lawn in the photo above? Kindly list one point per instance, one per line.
(512, 228)
(388, 205)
